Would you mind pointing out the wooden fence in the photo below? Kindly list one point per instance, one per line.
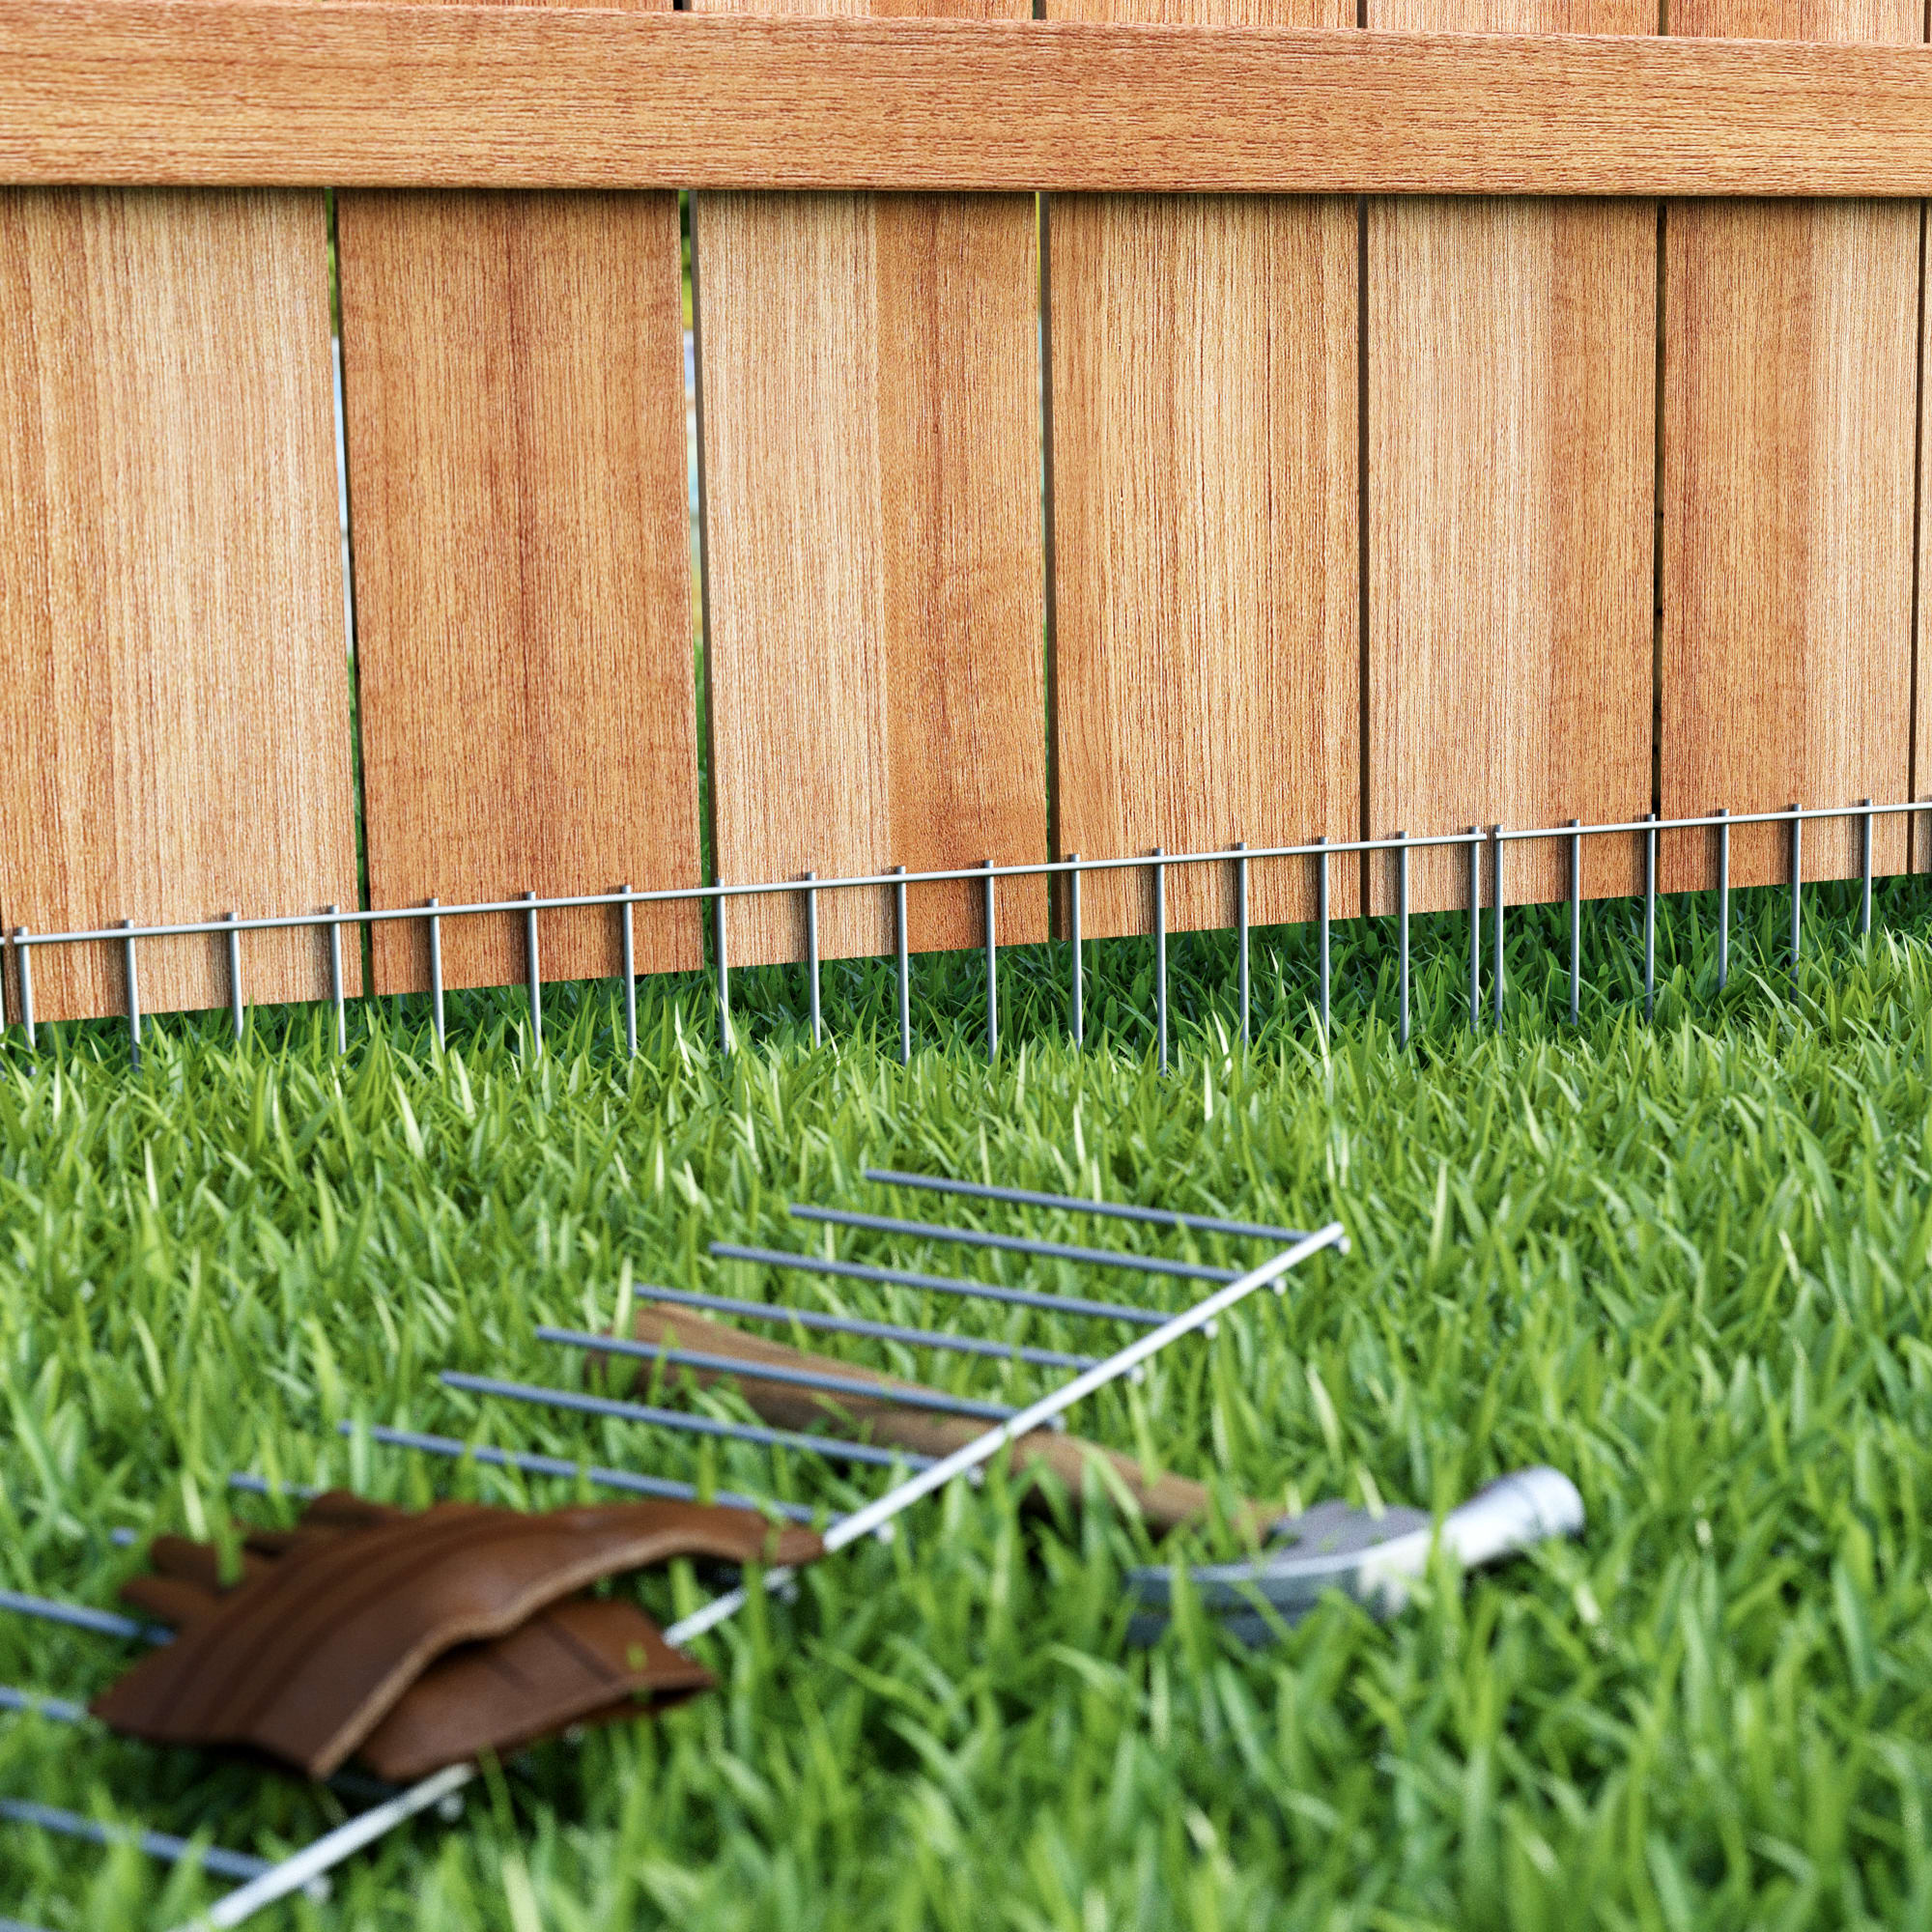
(1161, 423)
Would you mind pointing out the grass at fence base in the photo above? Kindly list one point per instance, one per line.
(1685, 1263)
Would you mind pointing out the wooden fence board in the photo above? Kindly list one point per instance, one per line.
(378, 94)
(512, 370)
(170, 590)
(1791, 400)
(869, 411)
(1511, 350)
(1206, 669)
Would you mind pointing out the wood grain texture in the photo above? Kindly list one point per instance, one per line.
(513, 371)
(1206, 654)
(1511, 350)
(171, 590)
(868, 413)
(1791, 402)
(314, 92)
(1920, 840)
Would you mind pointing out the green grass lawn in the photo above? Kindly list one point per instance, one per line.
(1685, 1263)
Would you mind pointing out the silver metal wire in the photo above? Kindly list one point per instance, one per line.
(626, 945)
(992, 965)
(908, 1396)
(23, 954)
(535, 1037)
(336, 991)
(1322, 922)
(1080, 1204)
(784, 1314)
(1011, 1244)
(133, 995)
(436, 1019)
(905, 967)
(1241, 930)
(1650, 918)
(679, 1421)
(1866, 872)
(235, 1010)
(1160, 960)
(1723, 903)
(1496, 936)
(1797, 897)
(1077, 985)
(1402, 923)
(1576, 926)
(724, 976)
(528, 1463)
(936, 1284)
(1475, 928)
(811, 962)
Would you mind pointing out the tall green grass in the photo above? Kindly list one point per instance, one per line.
(1684, 1262)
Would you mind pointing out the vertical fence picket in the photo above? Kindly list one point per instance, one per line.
(1791, 349)
(1203, 466)
(513, 381)
(178, 734)
(1509, 407)
(869, 371)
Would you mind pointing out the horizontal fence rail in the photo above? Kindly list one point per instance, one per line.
(1488, 872)
(288, 92)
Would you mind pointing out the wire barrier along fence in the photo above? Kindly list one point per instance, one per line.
(1486, 854)
(1071, 1376)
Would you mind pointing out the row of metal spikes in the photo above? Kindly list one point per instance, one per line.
(1156, 864)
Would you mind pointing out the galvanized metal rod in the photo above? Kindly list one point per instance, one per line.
(1241, 932)
(1081, 1203)
(1322, 921)
(784, 1315)
(535, 978)
(905, 1396)
(1496, 934)
(679, 1421)
(992, 968)
(1402, 924)
(235, 1012)
(723, 978)
(78, 1616)
(627, 943)
(1160, 959)
(982, 1449)
(905, 969)
(1650, 920)
(133, 999)
(529, 1464)
(1476, 929)
(1077, 992)
(812, 962)
(336, 991)
(59, 1709)
(1723, 904)
(215, 1859)
(1576, 925)
(23, 958)
(1011, 1244)
(300, 1871)
(435, 1017)
(1865, 872)
(938, 1284)
(1797, 896)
